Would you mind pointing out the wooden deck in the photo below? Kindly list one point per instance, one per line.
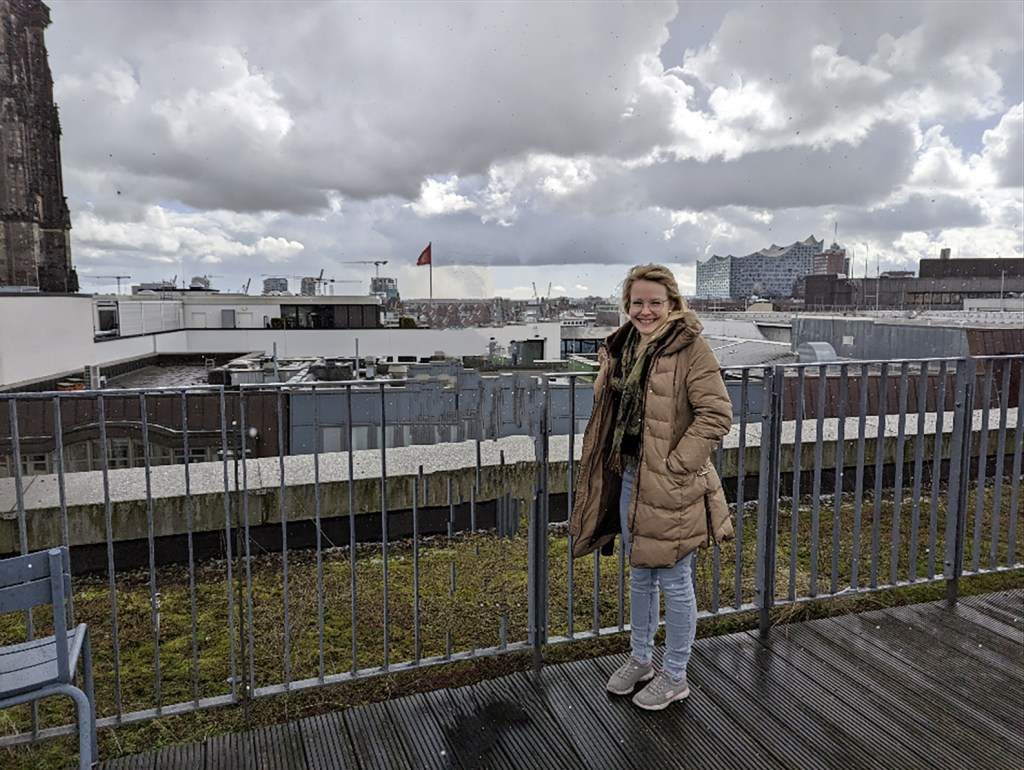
(911, 687)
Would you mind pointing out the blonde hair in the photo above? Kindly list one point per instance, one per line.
(657, 274)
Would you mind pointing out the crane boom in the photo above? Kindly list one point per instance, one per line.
(375, 262)
(117, 278)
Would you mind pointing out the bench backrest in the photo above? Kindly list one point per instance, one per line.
(36, 579)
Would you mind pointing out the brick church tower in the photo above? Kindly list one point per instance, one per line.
(35, 225)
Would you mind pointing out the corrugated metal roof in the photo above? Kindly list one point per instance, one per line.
(741, 352)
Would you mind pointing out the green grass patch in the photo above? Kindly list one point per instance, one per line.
(468, 593)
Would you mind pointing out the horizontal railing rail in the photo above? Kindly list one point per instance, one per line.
(235, 545)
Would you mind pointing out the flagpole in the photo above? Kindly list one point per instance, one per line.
(431, 266)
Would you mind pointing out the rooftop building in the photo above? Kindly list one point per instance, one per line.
(777, 271)
(35, 225)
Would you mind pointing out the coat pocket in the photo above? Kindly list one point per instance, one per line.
(716, 508)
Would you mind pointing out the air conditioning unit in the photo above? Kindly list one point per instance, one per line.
(93, 379)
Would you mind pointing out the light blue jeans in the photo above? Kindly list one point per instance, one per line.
(676, 583)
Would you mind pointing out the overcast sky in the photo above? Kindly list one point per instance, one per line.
(542, 143)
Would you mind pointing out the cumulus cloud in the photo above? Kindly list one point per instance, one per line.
(1004, 148)
(323, 135)
(278, 249)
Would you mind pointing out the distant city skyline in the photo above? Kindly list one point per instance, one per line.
(532, 145)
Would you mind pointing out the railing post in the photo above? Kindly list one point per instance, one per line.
(959, 475)
(769, 484)
(538, 534)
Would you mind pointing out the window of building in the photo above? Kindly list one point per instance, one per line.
(196, 454)
(160, 455)
(119, 453)
(35, 463)
(78, 457)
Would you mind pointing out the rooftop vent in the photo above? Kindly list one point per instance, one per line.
(816, 353)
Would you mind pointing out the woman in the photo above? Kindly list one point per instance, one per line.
(660, 409)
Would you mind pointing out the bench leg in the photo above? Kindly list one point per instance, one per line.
(86, 728)
(87, 685)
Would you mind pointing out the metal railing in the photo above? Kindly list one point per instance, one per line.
(267, 571)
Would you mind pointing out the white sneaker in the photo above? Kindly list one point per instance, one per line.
(629, 674)
(661, 692)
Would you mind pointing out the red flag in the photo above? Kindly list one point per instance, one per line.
(424, 258)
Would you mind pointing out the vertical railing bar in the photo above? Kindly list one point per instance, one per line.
(959, 467)
(858, 495)
(915, 507)
(19, 487)
(596, 587)
(716, 575)
(545, 521)
(154, 596)
(940, 424)
(222, 403)
(108, 514)
(242, 456)
(837, 503)
(62, 498)
(979, 510)
(477, 478)
(384, 521)
(897, 497)
(741, 472)
(717, 552)
(65, 538)
(819, 462)
(416, 565)
(189, 526)
(621, 586)
(451, 565)
(570, 502)
(19, 500)
(317, 514)
(58, 435)
(769, 484)
(352, 528)
(1018, 451)
(1000, 468)
(876, 512)
(538, 559)
(283, 509)
(512, 513)
(794, 520)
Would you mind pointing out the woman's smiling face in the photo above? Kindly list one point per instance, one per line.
(649, 305)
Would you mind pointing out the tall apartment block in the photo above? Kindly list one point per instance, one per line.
(35, 225)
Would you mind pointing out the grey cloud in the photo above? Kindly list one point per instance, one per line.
(919, 213)
(381, 95)
(782, 178)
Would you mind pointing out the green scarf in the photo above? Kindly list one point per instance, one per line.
(629, 383)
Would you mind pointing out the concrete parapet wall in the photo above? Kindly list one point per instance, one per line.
(449, 472)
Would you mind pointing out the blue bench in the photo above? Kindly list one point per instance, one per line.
(39, 668)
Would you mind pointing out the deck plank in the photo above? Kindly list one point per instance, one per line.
(901, 694)
(924, 686)
(422, 728)
(327, 744)
(915, 649)
(378, 745)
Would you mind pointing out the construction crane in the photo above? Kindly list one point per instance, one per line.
(375, 262)
(117, 278)
(320, 281)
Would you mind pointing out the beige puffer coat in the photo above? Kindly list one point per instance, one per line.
(678, 504)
